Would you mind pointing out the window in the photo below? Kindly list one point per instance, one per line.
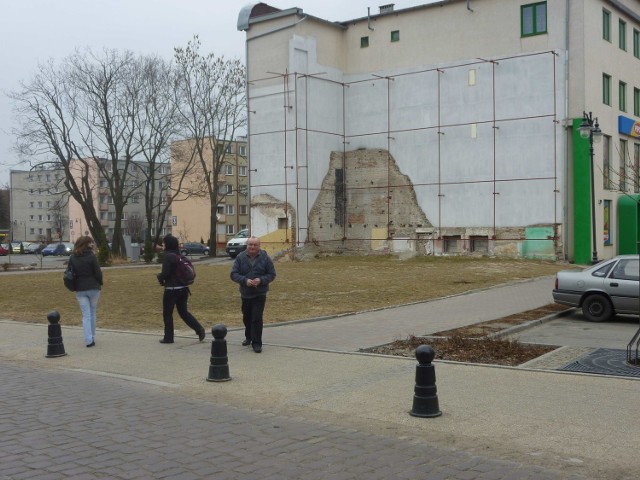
(103, 183)
(622, 96)
(636, 102)
(32, 217)
(39, 204)
(228, 149)
(622, 174)
(229, 209)
(636, 43)
(622, 35)
(242, 171)
(31, 204)
(364, 42)
(39, 218)
(229, 189)
(103, 215)
(636, 167)
(395, 36)
(533, 19)
(230, 230)
(606, 162)
(48, 218)
(243, 151)
(479, 244)
(243, 226)
(606, 89)
(606, 212)
(243, 209)
(606, 25)
(626, 269)
(220, 210)
(135, 199)
(228, 169)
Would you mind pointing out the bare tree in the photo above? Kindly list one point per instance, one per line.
(156, 128)
(50, 131)
(211, 98)
(90, 117)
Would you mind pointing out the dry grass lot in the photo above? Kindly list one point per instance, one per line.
(131, 297)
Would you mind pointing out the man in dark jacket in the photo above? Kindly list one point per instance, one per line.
(175, 294)
(254, 271)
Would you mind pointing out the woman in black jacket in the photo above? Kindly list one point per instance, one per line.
(88, 285)
(175, 294)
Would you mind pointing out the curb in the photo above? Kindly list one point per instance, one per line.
(530, 324)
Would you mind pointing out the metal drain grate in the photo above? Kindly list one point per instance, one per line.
(604, 361)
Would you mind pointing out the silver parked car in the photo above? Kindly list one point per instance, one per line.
(602, 290)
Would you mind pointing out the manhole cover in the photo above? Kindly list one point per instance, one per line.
(604, 361)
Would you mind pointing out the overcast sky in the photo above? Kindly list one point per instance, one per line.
(33, 31)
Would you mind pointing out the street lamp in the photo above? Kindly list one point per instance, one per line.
(590, 129)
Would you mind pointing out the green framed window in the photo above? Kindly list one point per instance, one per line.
(606, 162)
(395, 36)
(636, 102)
(606, 89)
(622, 35)
(606, 25)
(622, 174)
(622, 96)
(606, 212)
(636, 167)
(364, 42)
(533, 19)
(636, 43)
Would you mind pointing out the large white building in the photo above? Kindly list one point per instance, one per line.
(446, 127)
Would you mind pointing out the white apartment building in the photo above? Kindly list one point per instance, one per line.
(38, 206)
(447, 127)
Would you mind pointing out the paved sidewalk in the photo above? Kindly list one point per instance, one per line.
(79, 426)
(496, 422)
(350, 333)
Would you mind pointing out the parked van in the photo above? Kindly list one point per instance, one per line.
(238, 243)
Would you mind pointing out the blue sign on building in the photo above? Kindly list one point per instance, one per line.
(628, 126)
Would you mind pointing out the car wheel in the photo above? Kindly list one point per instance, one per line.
(206, 251)
(597, 308)
(183, 252)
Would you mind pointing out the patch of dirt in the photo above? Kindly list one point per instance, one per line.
(473, 343)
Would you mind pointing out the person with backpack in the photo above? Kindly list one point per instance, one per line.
(176, 276)
(253, 270)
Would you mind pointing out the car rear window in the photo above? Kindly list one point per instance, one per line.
(603, 271)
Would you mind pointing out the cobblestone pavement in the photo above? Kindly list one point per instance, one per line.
(60, 424)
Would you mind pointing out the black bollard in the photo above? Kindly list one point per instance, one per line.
(55, 348)
(425, 399)
(219, 368)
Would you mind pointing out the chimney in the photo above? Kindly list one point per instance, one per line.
(386, 8)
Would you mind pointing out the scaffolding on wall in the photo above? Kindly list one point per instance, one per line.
(307, 131)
